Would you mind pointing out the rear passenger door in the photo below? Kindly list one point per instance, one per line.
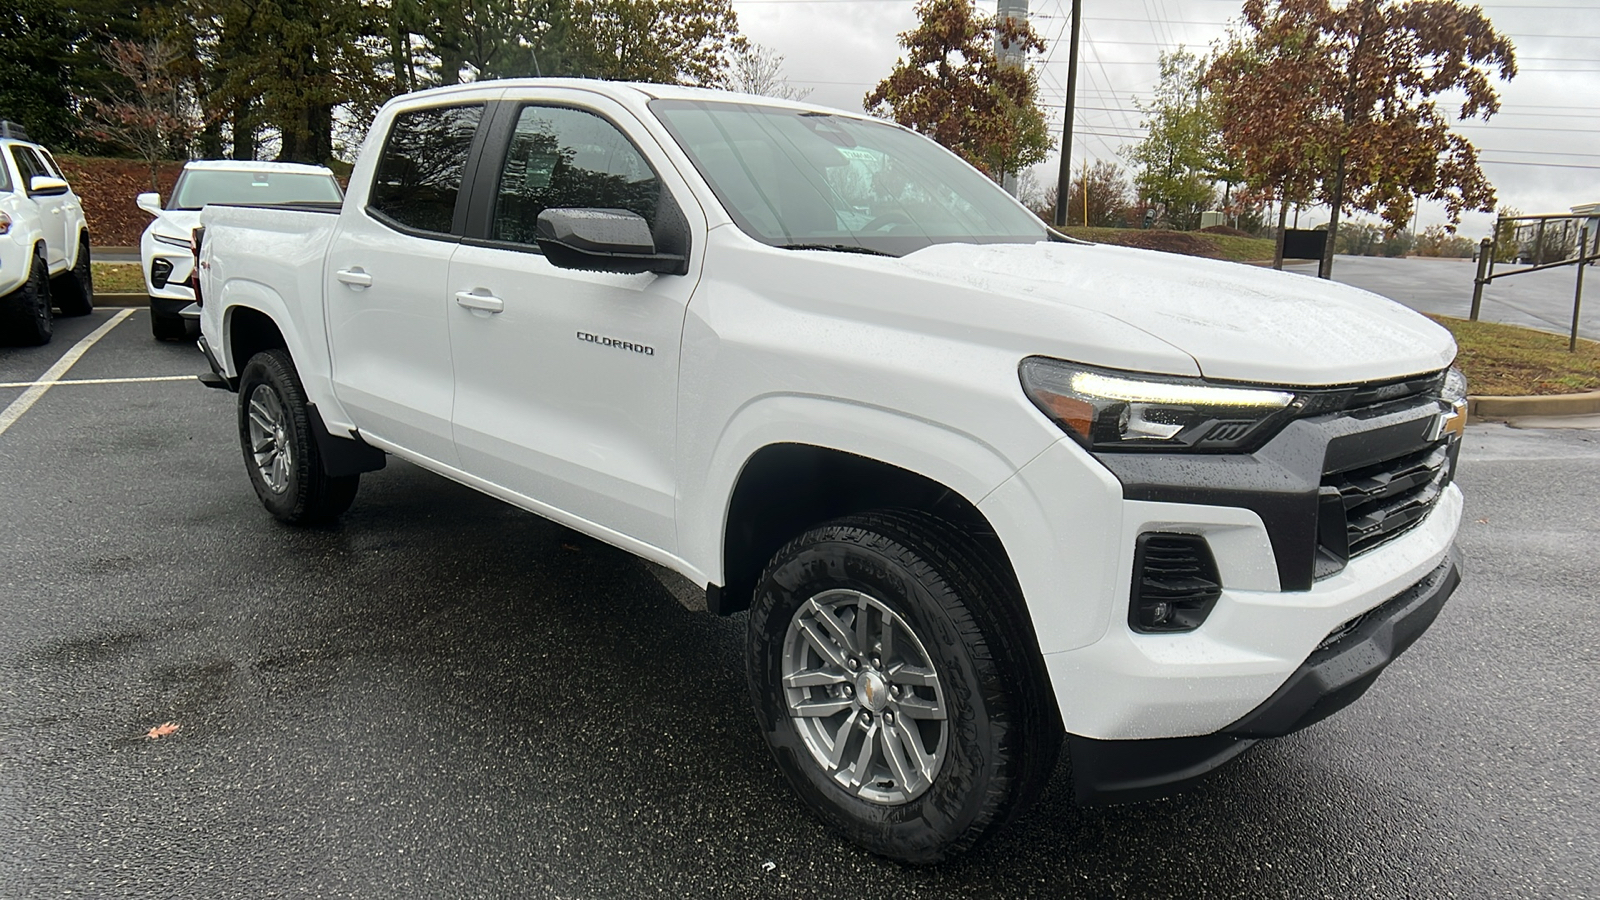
(386, 282)
(566, 381)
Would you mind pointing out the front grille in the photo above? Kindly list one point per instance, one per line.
(1366, 507)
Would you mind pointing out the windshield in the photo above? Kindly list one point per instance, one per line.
(197, 187)
(812, 180)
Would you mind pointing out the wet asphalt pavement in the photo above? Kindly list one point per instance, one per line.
(442, 696)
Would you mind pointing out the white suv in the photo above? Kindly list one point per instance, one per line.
(44, 242)
(164, 247)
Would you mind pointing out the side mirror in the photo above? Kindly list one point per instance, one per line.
(150, 202)
(603, 240)
(47, 186)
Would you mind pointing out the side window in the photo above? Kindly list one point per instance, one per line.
(5, 177)
(565, 158)
(51, 164)
(419, 173)
(28, 164)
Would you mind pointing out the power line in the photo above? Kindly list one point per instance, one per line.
(1544, 165)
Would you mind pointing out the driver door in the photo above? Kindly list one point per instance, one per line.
(566, 381)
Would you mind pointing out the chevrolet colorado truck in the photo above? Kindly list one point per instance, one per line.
(988, 494)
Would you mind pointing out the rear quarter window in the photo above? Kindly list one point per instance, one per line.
(418, 177)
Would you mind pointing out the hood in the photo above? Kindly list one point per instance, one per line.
(175, 223)
(1240, 323)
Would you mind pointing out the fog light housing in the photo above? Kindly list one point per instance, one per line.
(1175, 583)
(160, 271)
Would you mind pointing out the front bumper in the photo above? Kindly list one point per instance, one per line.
(1347, 662)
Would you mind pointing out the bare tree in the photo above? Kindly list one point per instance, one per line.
(755, 69)
(151, 116)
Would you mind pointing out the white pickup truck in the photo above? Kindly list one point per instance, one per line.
(986, 493)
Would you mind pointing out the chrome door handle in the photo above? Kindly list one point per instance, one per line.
(354, 277)
(486, 302)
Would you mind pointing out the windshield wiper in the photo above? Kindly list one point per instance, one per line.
(840, 248)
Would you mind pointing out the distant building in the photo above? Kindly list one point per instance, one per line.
(1592, 212)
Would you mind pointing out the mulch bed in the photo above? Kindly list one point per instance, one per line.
(107, 188)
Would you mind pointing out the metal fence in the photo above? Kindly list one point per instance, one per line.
(1537, 243)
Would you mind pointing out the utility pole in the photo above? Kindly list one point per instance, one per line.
(1064, 179)
(1010, 57)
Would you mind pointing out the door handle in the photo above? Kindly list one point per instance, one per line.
(486, 302)
(354, 277)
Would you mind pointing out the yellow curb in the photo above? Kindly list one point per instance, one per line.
(1584, 404)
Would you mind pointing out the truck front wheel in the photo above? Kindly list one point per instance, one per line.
(280, 451)
(891, 687)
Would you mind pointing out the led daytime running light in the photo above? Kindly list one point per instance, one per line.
(1094, 384)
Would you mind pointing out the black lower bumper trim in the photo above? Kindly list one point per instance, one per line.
(1333, 677)
(1339, 672)
(1106, 772)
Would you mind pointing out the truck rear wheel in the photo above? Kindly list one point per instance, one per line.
(891, 688)
(280, 451)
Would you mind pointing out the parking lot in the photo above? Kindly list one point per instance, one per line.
(442, 696)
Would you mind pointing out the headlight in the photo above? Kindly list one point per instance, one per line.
(1109, 410)
(1454, 391)
(170, 241)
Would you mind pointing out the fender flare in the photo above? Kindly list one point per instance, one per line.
(957, 460)
(239, 293)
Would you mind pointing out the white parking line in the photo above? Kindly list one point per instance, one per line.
(142, 380)
(37, 389)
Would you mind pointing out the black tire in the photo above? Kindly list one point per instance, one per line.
(295, 490)
(168, 328)
(26, 310)
(74, 290)
(1001, 736)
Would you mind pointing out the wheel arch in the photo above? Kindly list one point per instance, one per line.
(785, 488)
(250, 331)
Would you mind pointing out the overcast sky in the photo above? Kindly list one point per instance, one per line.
(1541, 151)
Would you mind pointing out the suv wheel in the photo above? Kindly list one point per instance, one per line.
(167, 328)
(74, 291)
(892, 684)
(26, 311)
(280, 451)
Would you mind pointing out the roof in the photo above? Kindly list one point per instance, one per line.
(625, 91)
(1587, 209)
(250, 165)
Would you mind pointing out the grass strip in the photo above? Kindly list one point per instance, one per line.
(118, 278)
(1511, 361)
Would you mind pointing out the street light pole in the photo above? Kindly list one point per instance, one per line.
(1064, 179)
(1011, 56)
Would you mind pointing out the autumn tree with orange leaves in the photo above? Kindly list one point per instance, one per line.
(1338, 103)
(951, 87)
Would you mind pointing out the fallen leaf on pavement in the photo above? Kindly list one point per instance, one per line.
(1483, 521)
(162, 730)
